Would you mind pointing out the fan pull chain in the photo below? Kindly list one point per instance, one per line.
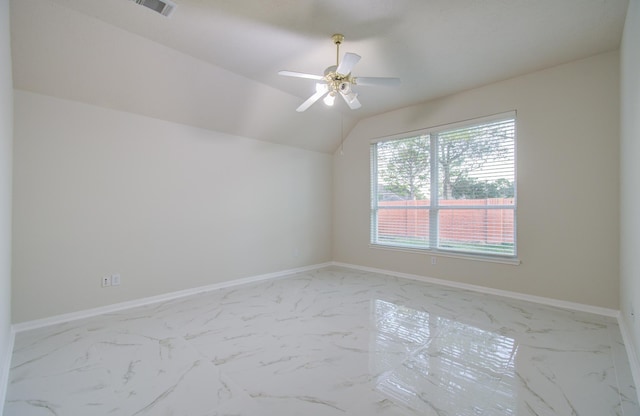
(341, 135)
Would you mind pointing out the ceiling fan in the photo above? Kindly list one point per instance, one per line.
(339, 81)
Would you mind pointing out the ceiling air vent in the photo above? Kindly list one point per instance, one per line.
(164, 7)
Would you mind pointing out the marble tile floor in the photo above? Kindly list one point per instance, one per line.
(333, 341)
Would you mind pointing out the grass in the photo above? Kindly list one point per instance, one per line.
(503, 249)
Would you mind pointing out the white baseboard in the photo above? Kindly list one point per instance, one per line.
(6, 366)
(39, 323)
(487, 290)
(87, 313)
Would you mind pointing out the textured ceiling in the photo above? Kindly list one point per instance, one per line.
(214, 63)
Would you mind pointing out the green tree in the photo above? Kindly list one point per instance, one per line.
(463, 151)
(405, 167)
(472, 188)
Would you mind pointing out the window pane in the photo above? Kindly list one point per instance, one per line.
(486, 231)
(403, 169)
(401, 223)
(477, 162)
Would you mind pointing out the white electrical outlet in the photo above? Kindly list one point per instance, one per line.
(106, 281)
(434, 260)
(115, 280)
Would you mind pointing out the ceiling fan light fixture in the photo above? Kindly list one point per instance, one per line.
(345, 87)
(338, 80)
(330, 99)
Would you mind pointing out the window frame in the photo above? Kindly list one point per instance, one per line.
(435, 207)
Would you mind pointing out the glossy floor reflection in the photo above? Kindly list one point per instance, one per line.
(329, 342)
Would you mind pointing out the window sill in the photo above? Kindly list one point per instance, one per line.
(514, 261)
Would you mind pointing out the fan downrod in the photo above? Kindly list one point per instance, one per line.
(337, 39)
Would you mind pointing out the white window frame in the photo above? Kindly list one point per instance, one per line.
(435, 206)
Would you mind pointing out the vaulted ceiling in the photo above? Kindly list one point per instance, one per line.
(213, 63)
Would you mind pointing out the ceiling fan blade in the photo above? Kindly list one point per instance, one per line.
(321, 90)
(352, 100)
(348, 62)
(300, 75)
(377, 81)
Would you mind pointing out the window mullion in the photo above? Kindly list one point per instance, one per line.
(433, 208)
(374, 194)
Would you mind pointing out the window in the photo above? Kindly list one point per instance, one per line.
(448, 189)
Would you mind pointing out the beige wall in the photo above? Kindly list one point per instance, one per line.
(6, 141)
(567, 160)
(167, 206)
(630, 181)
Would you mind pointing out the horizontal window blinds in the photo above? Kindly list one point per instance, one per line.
(447, 189)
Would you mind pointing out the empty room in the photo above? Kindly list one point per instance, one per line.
(368, 207)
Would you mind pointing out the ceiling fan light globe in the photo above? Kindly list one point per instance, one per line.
(329, 99)
(345, 87)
